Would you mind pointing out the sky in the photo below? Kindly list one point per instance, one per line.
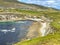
(49, 3)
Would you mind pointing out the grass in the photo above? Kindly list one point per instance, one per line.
(56, 25)
(47, 40)
(51, 39)
(54, 15)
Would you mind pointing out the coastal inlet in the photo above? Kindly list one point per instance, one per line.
(11, 32)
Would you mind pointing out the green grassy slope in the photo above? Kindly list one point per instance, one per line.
(51, 39)
(47, 40)
(27, 9)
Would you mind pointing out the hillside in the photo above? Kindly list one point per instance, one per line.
(47, 40)
(51, 39)
(23, 9)
(4, 4)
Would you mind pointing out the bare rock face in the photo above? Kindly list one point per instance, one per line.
(39, 28)
(33, 30)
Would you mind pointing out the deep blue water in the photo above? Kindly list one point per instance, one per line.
(20, 29)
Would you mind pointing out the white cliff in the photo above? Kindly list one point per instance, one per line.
(43, 28)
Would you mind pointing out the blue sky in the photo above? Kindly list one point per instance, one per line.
(49, 3)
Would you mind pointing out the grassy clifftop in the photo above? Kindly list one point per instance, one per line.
(47, 40)
(35, 10)
(51, 39)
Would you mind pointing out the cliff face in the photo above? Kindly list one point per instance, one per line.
(33, 31)
(39, 29)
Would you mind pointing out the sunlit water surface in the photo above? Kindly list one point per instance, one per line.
(11, 32)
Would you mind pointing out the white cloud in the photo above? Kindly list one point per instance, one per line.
(50, 1)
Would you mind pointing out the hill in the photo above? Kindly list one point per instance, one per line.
(47, 40)
(13, 6)
(51, 39)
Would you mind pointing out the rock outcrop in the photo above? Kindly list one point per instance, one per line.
(33, 30)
